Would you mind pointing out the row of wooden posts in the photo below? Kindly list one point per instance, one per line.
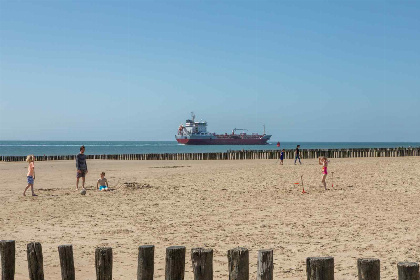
(241, 155)
(317, 268)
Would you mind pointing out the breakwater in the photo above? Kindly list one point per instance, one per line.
(201, 260)
(241, 155)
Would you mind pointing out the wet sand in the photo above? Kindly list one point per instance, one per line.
(373, 211)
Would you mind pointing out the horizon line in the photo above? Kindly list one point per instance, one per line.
(274, 141)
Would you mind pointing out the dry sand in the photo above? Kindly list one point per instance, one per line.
(373, 211)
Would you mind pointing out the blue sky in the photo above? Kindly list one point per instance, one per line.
(134, 70)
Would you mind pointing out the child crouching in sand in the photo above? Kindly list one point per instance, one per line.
(102, 183)
(31, 174)
(324, 162)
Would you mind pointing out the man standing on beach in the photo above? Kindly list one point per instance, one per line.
(297, 155)
(81, 167)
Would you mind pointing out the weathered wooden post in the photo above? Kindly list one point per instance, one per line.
(238, 261)
(175, 263)
(320, 268)
(145, 267)
(202, 263)
(408, 271)
(7, 255)
(368, 269)
(35, 261)
(103, 263)
(65, 253)
(265, 265)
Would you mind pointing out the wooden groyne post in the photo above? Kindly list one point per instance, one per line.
(202, 263)
(7, 255)
(238, 263)
(265, 265)
(35, 261)
(408, 271)
(103, 263)
(368, 269)
(65, 253)
(320, 268)
(145, 267)
(175, 263)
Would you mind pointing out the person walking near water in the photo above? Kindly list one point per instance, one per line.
(297, 154)
(81, 167)
(31, 174)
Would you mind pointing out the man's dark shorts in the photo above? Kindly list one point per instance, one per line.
(81, 174)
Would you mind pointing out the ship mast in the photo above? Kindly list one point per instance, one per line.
(193, 116)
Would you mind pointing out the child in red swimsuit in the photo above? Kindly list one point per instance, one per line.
(324, 162)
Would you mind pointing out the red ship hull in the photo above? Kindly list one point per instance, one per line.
(223, 141)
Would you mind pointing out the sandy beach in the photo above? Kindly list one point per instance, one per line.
(373, 211)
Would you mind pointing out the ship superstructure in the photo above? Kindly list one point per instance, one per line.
(195, 133)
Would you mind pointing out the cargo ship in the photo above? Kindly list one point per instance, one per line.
(195, 133)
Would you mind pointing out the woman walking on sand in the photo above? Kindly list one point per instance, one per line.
(31, 174)
(324, 162)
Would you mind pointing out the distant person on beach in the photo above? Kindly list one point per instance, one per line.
(324, 162)
(31, 174)
(297, 154)
(102, 183)
(81, 167)
(281, 157)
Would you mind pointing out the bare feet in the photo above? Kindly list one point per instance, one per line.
(32, 194)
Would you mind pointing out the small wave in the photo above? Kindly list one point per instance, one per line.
(26, 145)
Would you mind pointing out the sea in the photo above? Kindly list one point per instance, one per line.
(39, 148)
